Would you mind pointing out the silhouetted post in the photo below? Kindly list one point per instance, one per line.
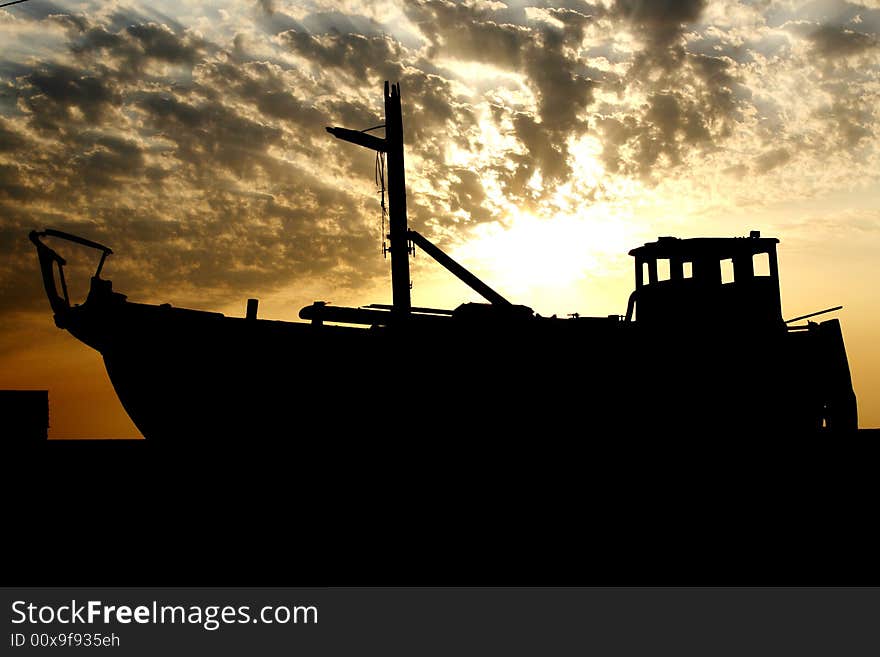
(252, 305)
(397, 201)
(676, 269)
(774, 274)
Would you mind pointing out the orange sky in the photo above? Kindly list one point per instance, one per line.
(544, 141)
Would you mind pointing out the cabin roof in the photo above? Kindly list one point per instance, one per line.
(704, 247)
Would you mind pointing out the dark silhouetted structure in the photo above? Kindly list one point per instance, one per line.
(702, 348)
(25, 415)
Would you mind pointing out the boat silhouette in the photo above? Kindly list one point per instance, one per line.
(692, 353)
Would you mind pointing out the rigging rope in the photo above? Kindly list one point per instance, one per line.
(380, 183)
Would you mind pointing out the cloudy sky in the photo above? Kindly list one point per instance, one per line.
(544, 141)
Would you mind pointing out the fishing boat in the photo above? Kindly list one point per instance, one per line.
(692, 353)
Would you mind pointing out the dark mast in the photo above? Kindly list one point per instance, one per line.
(392, 145)
(397, 200)
(401, 237)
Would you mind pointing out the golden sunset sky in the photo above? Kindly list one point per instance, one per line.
(544, 140)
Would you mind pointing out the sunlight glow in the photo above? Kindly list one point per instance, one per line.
(533, 252)
(586, 163)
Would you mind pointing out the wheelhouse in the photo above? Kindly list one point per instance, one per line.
(707, 280)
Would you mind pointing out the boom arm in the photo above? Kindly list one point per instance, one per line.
(463, 274)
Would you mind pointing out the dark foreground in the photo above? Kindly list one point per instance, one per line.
(447, 509)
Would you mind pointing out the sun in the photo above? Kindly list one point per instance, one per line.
(527, 256)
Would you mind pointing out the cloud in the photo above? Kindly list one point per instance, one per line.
(850, 119)
(107, 160)
(268, 6)
(208, 132)
(10, 139)
(694, 108)
(661, 24)
(354, 54)
(129, 52)
(467, 193)
(545, 53)
(13, 184)
(364, 61)
(185, 176)
(56, 95)
(772, 159)
(265, 86)
(660, 15)
(161, 43)
(835, 41)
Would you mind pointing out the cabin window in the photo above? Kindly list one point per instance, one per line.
(663, 270)
(761, 264)
(687, 269)
(645, 274)
(727, 271)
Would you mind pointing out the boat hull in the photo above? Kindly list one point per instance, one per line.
(187, 377)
